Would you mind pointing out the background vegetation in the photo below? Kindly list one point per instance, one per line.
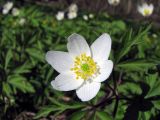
(132, 92)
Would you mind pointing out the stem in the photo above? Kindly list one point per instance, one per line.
(114, 80)
(113, 96)
(106, 99)
(116, 106)
(116, 94)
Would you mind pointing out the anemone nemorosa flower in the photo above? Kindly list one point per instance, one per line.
(114, 2)
(73, 8)
(72, 15)
(7, 7)
(82, 68)
(145, 9)
(60, 15)
(15, 11)
(72, 11)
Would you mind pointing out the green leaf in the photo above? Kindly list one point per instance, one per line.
(144, 115)
(20, 83)
(118, 26)
(6, 89)
(151, 80)
(136, 65)
(156, 104)
(60, 47)
(56, 102)
(130, 41)
(129, 89)
(103, 115)
(78, 115)
(35, 53)
(8, 58)
(154, 84)
(74, 105)
(49, 74)
(25, 68)
(45, 111)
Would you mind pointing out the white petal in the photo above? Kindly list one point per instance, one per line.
(151, 7)
(101, 47)
(5, 11)
(77, 45)
(140, 9)
(60, 61)
(88, 90)
(53, 83)
(66, 82)
(105, 71)
(145, 5)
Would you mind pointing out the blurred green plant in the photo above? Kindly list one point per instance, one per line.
(133, 87)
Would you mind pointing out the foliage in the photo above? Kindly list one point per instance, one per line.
(132, 91)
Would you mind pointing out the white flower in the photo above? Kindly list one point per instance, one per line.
(5, 11)
(22, 21)
(72, 11)
(15, 11)
(82, 68)
(145, 9)
(72, 15)
(91, 16)
(7, 7)
(85, 17)
(60, 15)
(114, 2)
(73, 8)
(154, 35)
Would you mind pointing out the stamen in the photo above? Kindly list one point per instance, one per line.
(146, 12)
(85, 67)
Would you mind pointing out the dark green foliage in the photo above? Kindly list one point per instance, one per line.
(132, 91)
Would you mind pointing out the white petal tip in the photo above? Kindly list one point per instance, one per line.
(88, 91)
(107, 36)
(85, 100)
(47, 55)
(53, 83)
(73, 36)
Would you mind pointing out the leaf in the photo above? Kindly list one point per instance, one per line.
(8, 58)
(126, 47)
(144, 115)
(74, 105)
(37, 54)
(154, 84)
(60, 47)
(6, 89)
(78, 115)
(136, 65)
(129, 89)
(151, 80)
(20, 83)
(130, 41)
(121, 110)
(118, 26)
(156, 104)
(49, 74)
(103, 115)
(56, 102)
(58, 108)
(25, 68)
(45, 111)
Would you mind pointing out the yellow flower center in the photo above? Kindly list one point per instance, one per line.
(84, 67)
(147, 12)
